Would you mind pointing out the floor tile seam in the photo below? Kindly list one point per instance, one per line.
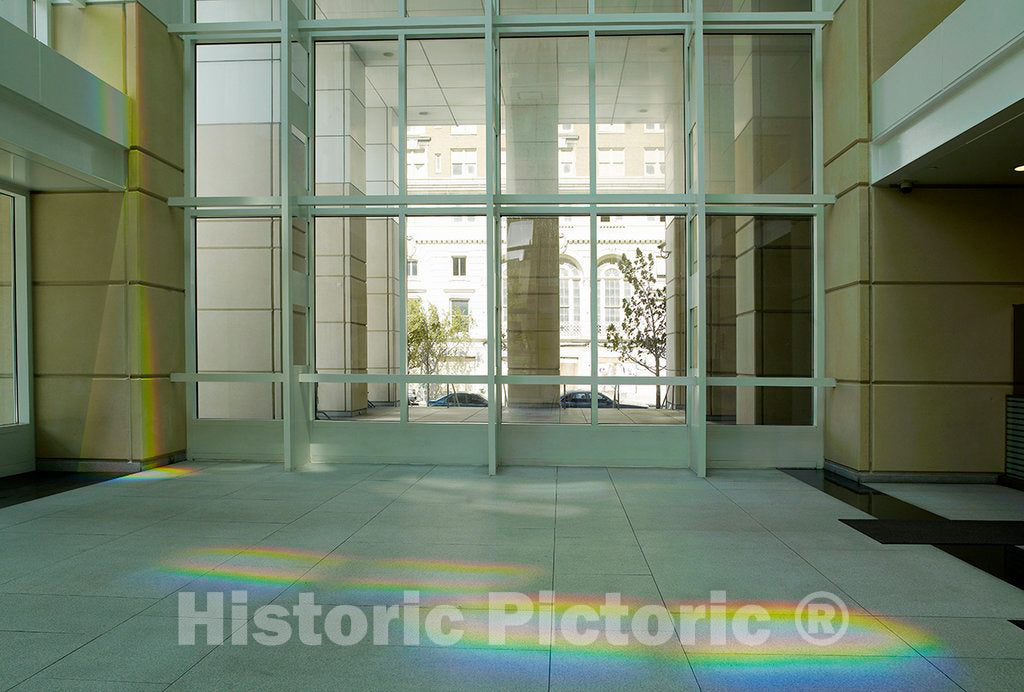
(85, 644)
(657, 586)
(78, 553)
(242, 550)
(304, 574)
(794, 552)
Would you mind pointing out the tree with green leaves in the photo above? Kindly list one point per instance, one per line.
(435, 337)
(642, 335)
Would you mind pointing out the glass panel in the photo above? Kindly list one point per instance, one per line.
(358, 401)
(545, 113)
(17, 13)
(758, 5)
(354, 9)
(640, 114)
(8, 382)
(543, 6)
(298, 142)
(299, 311)
(447, 309)
(761, 405)
(238, 10)
(639, 404)
(357, 118)
(357, 314)
(441, 8)
(240, 400)
(545, 277)
(555, 403)
(238, 309)
(637, 6)
(641, 297)
(760, 287)
(448, 403)
(237, 120)
(758, 105)
(446, 109)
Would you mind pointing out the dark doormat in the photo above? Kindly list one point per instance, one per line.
(948, 532)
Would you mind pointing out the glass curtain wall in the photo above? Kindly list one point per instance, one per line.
(581, 220)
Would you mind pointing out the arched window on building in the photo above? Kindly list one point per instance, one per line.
(610, 293)
(569, 297)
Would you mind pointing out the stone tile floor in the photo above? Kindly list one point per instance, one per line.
(89, 580)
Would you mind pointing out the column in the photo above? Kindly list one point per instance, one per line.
(341, 243)
(108, 274)
(533, 337)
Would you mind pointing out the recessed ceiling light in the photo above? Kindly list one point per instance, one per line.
(388, 54)
(642, 110)
(424, 112)
(1020, 168)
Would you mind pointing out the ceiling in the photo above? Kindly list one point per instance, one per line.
(638, 78)
(985, 155)
(365, 9)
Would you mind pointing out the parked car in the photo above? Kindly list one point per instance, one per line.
(581, 399)
(460, 399)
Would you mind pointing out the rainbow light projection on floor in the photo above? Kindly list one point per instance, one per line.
(862, 658)
(380, 578)
(158, 473)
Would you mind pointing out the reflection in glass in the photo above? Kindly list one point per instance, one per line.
(357, 118)
(446, 109)
(545, 96)
(640, 143)
(761, 405)
(445, 8)
(760, 320)
(630, 404)
(334, 402)
(354, 9)
(637, 6)
(758, 105)
(543, 6)
(356, 313)
(240, 400)
(238, 314)
(8, 384)
(758, 5)
(546, 262)
(237, 10)
(448, 403)
(237, 120)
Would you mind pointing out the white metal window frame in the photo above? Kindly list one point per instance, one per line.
(695, 204)
(17, 439)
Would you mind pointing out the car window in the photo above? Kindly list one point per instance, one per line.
(604, 398)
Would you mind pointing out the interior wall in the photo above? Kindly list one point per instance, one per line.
(897, 26)
(919, 286)
(947, 268)
(108, 280)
